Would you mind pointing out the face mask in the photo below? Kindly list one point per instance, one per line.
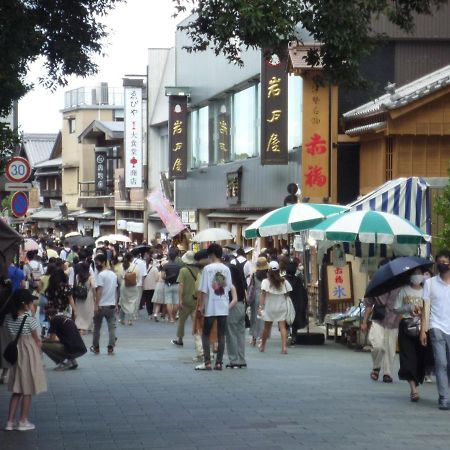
(443, 268)
(416, 279)
(120, 259)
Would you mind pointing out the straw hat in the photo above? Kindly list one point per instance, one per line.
(261, 263)
(188, 258)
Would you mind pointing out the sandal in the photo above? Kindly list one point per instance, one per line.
(387, 379)
(414, 397)
(375, 374)
(95, 350)
(203, 366)
(218, 366)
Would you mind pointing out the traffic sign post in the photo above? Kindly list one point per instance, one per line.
(19, 204)
(17, 170)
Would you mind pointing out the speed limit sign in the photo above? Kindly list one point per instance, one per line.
(17, 170)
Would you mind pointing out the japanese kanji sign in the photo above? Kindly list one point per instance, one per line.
(177, 137)
(274, 109)
(101, 172)
(133, 137)
(339, 283)
(316, 140)
(224, 133)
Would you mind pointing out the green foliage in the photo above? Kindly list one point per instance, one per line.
(442, 207)
(343, 27)
(8, 142)
(66, 33)
(6, 205)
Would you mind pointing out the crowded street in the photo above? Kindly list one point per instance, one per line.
(148, 396)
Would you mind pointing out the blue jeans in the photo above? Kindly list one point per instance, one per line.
(441, 350)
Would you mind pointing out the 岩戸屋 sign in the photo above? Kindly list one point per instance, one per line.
(133, 137)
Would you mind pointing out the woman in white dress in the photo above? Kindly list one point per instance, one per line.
(128, 292)
(273, 304)
(84, 285)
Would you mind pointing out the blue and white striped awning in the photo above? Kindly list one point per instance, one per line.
(406, 197)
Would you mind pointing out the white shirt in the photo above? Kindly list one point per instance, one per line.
(64, 253)
(36, 269)
(151, 279)
(438, 292)
(142, 267)
(107, 280)
(216, 284)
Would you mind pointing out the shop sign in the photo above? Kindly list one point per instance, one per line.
(101, 171)
(133, 137)
(234, 187)
(177, 137)
(274, 109)
(224, 133)
(339, 282)
(316, 140)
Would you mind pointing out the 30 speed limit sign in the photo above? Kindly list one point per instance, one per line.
(17, 170)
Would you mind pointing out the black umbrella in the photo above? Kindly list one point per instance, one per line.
(141, 248)
(394, 274)
(233, 247)
(81, 241)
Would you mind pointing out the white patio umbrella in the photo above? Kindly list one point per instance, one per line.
(113, 238)
(213, 235)
(30, 245)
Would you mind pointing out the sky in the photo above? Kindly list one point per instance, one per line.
(134, 27)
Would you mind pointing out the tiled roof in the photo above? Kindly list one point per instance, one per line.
(38, 147)
(112, 129)
(402, 96)
(49, 163)
(365, 128)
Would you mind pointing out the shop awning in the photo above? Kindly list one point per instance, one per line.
(46, 214)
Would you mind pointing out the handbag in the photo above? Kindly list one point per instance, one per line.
(290, 315)
(11, 353)
(130, 278)
(412, 326)
(378, 312)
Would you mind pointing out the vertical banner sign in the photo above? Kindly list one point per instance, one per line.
(133, 137)
(101, 173)
(224, 133)
(274, 109)
(316, 146)
(177, 137)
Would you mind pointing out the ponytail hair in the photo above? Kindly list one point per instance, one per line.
(275, 279)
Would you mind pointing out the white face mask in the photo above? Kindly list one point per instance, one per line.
(416, 279)
(120, 259)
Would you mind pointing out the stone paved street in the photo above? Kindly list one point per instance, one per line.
(147, 396)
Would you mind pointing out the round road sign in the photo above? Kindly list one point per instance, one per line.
(17, 170)
(19, 204)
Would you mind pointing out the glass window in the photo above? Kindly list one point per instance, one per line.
(295, 107)
(198, 137)
(72, 128)
(245, 124)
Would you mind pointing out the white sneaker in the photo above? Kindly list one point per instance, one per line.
(428, 379)
(25, 426)
(10, 426)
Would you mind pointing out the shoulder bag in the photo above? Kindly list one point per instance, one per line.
(130, 278)
(290, 314)
(11, 353)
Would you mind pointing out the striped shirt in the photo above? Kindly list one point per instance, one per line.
(13, 326)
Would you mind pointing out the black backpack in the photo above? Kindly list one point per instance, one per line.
(80, 290)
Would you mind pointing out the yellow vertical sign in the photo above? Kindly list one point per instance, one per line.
(316, 140)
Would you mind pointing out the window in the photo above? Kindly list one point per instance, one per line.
(198, 137)
(295, 107)
(71, 123)
(245, 119)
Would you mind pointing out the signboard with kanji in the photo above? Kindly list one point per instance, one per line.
(274, 109)
(316, 145)
(177, 137)
(339, 282)
(101, 171)
(224, 132)
(133, 137)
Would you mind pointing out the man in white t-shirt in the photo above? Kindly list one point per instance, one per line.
(214, 303)
(142, 267)
(105, 304)
(437, 291)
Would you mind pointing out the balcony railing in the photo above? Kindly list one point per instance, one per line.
(89, 189)
(94, 96)
(51, 192)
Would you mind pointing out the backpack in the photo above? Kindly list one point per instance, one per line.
(130, 278)
(80, 291)
(33, 277)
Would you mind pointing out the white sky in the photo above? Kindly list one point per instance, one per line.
(134, 27)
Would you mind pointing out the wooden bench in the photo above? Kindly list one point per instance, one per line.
(334, 307)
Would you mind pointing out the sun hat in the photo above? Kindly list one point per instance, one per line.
(188, 257)
(273, 265)
(261, 263)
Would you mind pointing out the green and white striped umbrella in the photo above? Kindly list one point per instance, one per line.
(371, 227)
(292, 218)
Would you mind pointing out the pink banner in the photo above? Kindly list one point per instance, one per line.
(166, 213)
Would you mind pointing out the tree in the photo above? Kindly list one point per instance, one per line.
(442, 207)
(343, 27)
(66, 33)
